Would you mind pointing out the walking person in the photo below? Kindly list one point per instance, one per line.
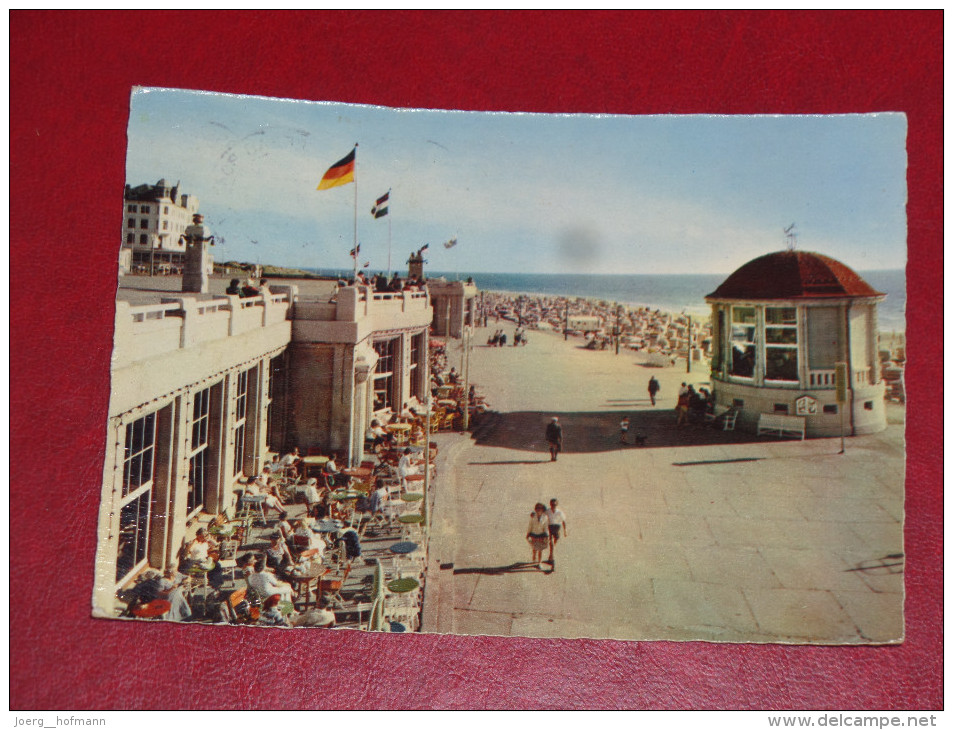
(554, 437)
(654, 388)
(537, 534)
(623, 430)
(557, 525)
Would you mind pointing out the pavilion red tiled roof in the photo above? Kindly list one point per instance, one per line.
(793, 275)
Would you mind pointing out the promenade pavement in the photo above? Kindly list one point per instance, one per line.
(698, 535)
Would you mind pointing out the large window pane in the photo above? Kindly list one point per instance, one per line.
(781, 363)
(133, 534)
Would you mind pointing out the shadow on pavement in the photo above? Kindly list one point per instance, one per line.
(499, 569)
(599, 431)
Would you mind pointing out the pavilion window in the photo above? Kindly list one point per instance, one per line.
(199, 451)
(384, 373)
(780, 344)
(743, 327)
(241, 411)
(137, 478)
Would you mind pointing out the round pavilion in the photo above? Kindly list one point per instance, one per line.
(781, 324)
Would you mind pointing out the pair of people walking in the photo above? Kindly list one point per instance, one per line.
(545, 528)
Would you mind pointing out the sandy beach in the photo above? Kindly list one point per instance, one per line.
(698, 535)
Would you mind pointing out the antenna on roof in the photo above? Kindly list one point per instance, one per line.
(790, 237)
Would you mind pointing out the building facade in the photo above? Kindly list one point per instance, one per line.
(454, 306)
(205, 387)
(781, 325)
(156, 218)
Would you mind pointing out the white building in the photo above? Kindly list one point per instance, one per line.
(780, 326)
(156, 217)
(205, 386)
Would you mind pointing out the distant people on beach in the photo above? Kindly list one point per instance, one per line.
(519, 337)
(554, 437)
(537, 533)
(654, 388)
(623, 429)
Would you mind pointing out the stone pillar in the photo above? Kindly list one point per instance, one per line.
(195, 273)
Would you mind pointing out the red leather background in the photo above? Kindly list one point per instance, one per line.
(71, 75)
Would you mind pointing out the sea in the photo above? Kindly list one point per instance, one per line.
(674, 293)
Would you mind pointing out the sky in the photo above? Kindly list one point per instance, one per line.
(533, 193)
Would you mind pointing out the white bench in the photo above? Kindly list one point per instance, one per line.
(780, 424)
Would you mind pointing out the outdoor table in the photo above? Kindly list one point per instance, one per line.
(444, 390)
(397, 427)
(449, 402)
(403, 548)
(411, 519)
(303, 578)
(414, 478)
(342, 495)
(153, 609)
(403, 585)
(313, 461)
(412, 496)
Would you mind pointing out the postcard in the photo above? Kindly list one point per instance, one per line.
(600, 376)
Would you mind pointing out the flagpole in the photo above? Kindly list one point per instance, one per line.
(355, 213)
(390, 271)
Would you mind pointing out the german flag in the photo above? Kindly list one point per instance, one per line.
(340, 173)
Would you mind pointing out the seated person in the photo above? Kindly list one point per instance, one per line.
(174, 588)
(307, 539)
(147, 589)
(271, 614)
(352, 542)
(312, 495)
(265, 584)
(199, 554)
(313, 617)
(277, 555)
(284, 526)
(374, 501)
(234, 288)
(257, 488)
(333, 475)
(406, 467)
(249, 290)
(377, 434)
(273, 467)
(291, 463)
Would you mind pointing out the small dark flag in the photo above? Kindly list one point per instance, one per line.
(451, 243)
(380, 208)
(355, 251)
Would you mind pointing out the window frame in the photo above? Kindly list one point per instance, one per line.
(136, 489)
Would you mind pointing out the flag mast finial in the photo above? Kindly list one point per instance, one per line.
(790, 237)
